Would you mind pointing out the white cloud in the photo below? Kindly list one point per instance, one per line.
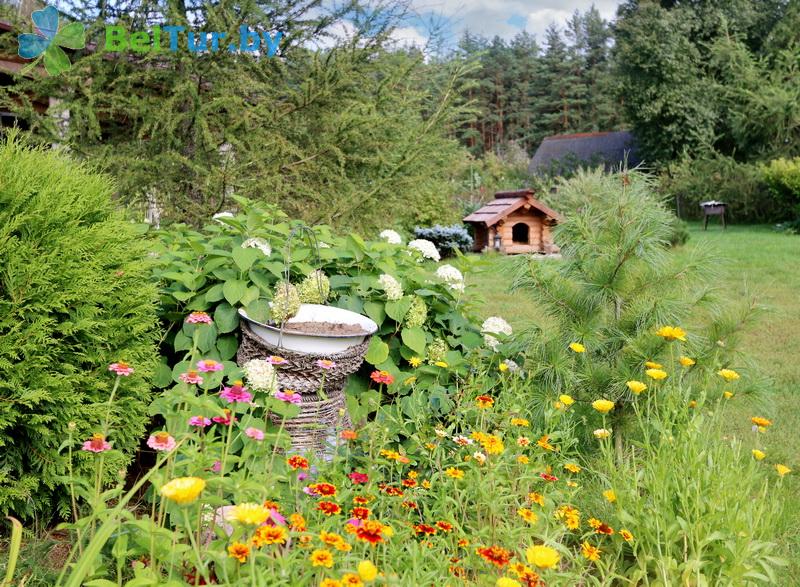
(409, 36)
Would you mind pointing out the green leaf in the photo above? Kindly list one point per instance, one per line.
(206, 337)
(375, 311)
(233, 290)
(397, 310)
(258, 310)
(55, 60)
(377, 352)
(244, 258)
(182, 342)
(162, 376)
(414, 338)
(214, 293)
(226, 318)
(71, 36)
(227, 347)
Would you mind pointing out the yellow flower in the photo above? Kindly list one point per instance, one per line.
(527, 515)
(656, 374)
(454, 473)
(626, 535)
(686, 361)
(367, 571)
(330, 583)
(559, 406)
(652, 365)
(577, 347)
(542, 556)
(692, 404)
(572, 468)
(239, 551)
(351, 580)
(566, 400)
(728, 374)
(590, 552)
(441, 364)
(426, 484)
(523, 460)
(507, 582)
(251, 514)
(727, 394)
(503, 367)
(571, 484)
(183, 490)
(519, 422)
(322, 558)
(610, 495)
(671, 333)
(603, 406)
(602, 433)
(782, 470)
(761, 422)
(758, 454)
(636, 387)
(415, 362)
(410, 380)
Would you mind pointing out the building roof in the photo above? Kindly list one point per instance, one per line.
(559, 153)
(507, 202)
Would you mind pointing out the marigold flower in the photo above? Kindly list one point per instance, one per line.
(636, 387)
(496, 555)
(183, 490)
(199, 318)
(192, 377)
(97, 443)
(266, 535)
(758, 454)
(527, 515)
(590, 552)
(728, 374)
(782, 470)
(382, 377)
(759, 421)
(542, 556)
(626, 535)
(686, 361)
(251, 514)
(566, 400)
(415, 362)
(121, 369)
(484, 402)
(577, 347)
(322, 558)
(603, 406)
(610, 495)
(329, 508)
(602, 433)
(653, 365)
(209, 366)
(367, 571)
(239, 551)
(161, 441)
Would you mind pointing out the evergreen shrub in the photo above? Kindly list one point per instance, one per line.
(74, 297)
(448, 239)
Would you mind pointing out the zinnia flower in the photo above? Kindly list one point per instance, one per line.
(289, 396)
(297, 462)
(527, 515)
(496, 555)
(484, 401)
(348, 435)
(329, 508)
(357, 477)
(199, 318)
(199, 421)
(656, 374)
(728, 374)
(236, 394)
(507, 582)
(209, 366)
(602, 433)
(572, 468)
(225, 419)
(251, 514)
(519, 422)
(121, 369)
(686, 361)
(239, 551)
(276, 361)
(671, 333)
(322, 558)
(97, 443)
(161, 441)
(191, 377)
(603, 406)
(577, 347)
(761, 422)
(636, 387)
(536, 498)
(254, 433)
(325, 364)
(266, 535)
(183, 490)
(382, 377)
(610, 495)
(542, 556)
(626, 535)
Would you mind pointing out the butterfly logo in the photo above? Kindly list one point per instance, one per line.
(46, 41)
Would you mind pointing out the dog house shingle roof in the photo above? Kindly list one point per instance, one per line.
(505, 203)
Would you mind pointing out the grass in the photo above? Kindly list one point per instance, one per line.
(757, 261)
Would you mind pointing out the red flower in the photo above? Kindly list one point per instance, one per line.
(410, 505)
(409, 483)
(548, 477)
(370, 531)
(393, 491)
(382, 377)
(425, 529)
(357, 477)
(329, 508)
(348, 435)
(325, 489)
(444, 526)
(297, 462)
(496, 555)
(360, 513)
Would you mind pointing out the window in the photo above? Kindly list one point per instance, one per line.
(520, 233)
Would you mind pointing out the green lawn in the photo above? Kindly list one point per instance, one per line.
(758, 261)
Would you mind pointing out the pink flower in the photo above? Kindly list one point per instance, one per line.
(355, 522)
(277, 360)
(309, 490)
(161, 441)
(302, 476)
(199, 318)
(226, 419)
(209, 365)
(199, 421)
(122, 369)
(255, 433)
(357, 477)
(236, 393)
(216, 467)
(191, 376)
(96, 444)
(289, 396)
(326, 364)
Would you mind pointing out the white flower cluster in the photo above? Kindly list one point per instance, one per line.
(391, 237)
(495, 325)
(260, 375)
(392, 287)
(426, 248)
(219, 215)
(258, 243)
(452, 277)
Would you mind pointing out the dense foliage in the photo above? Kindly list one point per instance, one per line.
(74, 297)
(448, 239)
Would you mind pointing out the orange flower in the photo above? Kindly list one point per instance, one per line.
(239, 551)
(759, 421)
(360, 513)
(544, 442)
(297, 522)
(362, 499)
(444, 526)
(325, 489)
(322, 558)
(536, 498)
(351, 580)
(328, 508)
(296, 462)
(370, 531)
(348, 435)
(484, 402)
(424, 529)
(265, 535)
(410, 483)
(463, 543)
(626, 535)
(590, 552)
(495, 555)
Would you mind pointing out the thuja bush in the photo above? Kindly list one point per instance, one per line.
(74, 298)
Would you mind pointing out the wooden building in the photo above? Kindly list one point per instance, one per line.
(514, 222)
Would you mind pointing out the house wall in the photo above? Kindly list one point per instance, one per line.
(481, 234)
(538, 232)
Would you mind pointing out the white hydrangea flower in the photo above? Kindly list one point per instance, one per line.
(495, 325)
(452, 277)
(391, 237)
(260, 375)
(258, 243)
(219, 215)
(392, 287)
(323, 245)
(426, 248)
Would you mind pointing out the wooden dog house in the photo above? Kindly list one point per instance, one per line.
(514, 222)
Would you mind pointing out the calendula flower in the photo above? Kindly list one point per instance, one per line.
(656, 374)
(454, 473)
(653, 365)
(566, 400)
(762, 422)
(758, 454)
(415, 362)
(266, 535)
(496, 555)
(322, 558)
(728, 374)
(686, 361)
(577, 347)
(484, 402)
(782, 470)
(367, 571)
(610, 495)
(636, 387)
(542, 556)
(239, 551)
(250, 514)
(192, 377)
(209, 366)
(572, 468)
(183, 490)
(590, 552)
(97, 443)
(519, 422)
(603, 406)
(527, 515)
(199, 318)
(602, 433)
(161, 441)
(671, 333)
(626, 535)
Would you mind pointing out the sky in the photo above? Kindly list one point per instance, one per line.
(494, 17)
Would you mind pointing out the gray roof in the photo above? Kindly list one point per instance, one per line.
(560, 153)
